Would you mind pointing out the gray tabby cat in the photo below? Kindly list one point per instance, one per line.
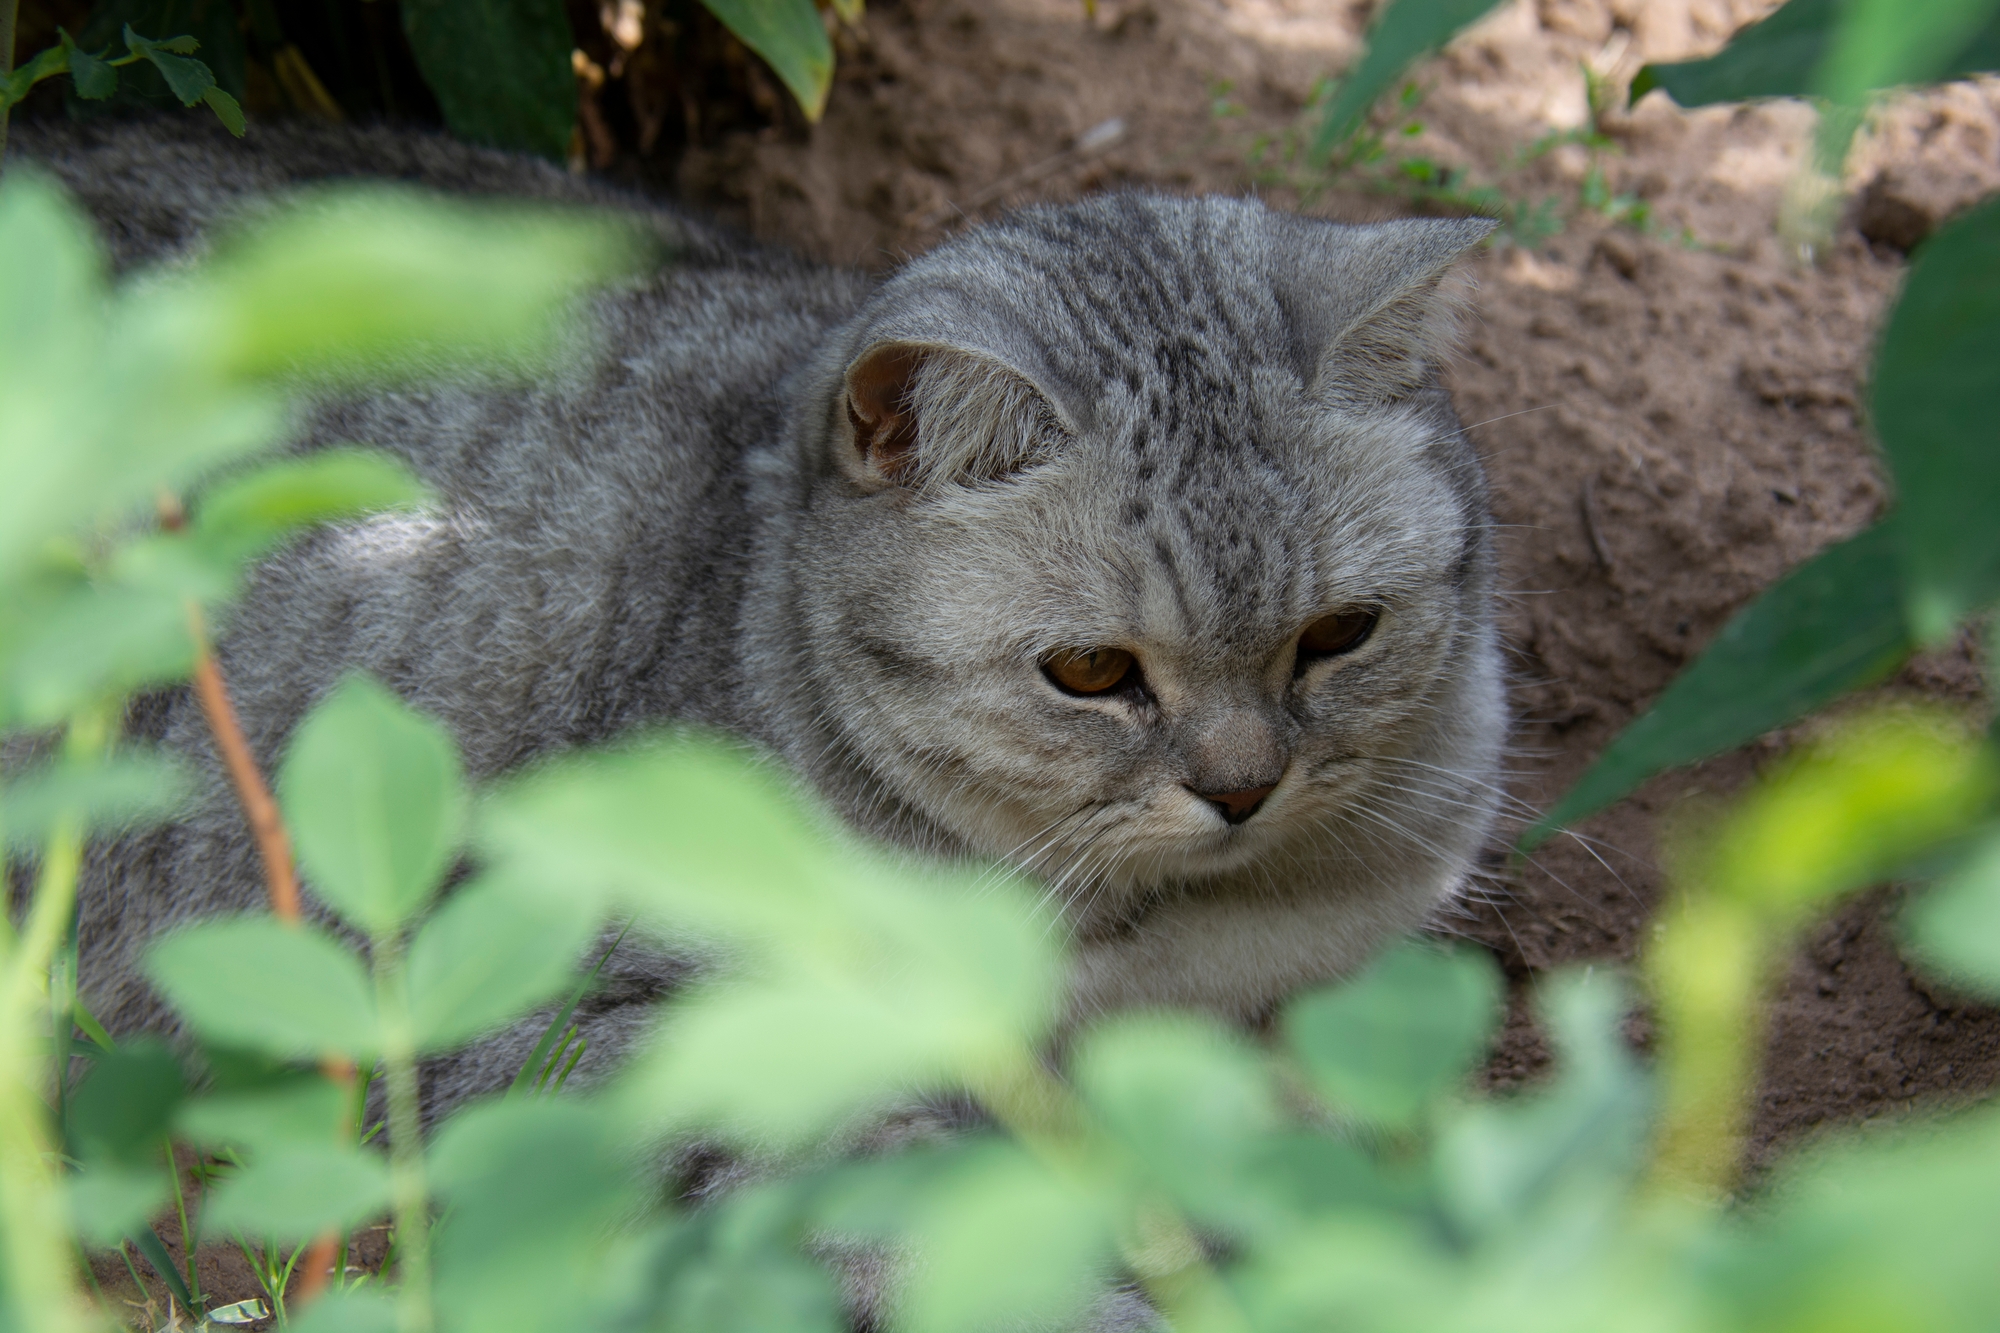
(1131, 541)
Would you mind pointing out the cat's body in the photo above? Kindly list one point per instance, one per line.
(874, 526)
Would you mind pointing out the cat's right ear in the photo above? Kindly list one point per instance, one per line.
(882, 414)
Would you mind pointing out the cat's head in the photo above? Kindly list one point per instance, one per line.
(1143, 551)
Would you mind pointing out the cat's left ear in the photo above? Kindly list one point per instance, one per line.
(1376, 309)
(920, 413)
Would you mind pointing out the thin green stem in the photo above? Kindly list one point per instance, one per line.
(187, 1233)
(409, 1194)
(36, 1260)
(9, 12)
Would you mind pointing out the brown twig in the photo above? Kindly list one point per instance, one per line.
(266, 826)
(274, 845)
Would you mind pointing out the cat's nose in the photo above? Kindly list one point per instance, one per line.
(1237, 806)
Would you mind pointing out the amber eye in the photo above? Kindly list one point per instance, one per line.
(1341, 632)
(1090, 672)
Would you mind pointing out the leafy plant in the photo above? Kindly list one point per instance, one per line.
(96, 76)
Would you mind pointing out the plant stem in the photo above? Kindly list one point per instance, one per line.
(273, 843)
(409, 1195)
(1707, 970)
(9, 10)
(35, 1265)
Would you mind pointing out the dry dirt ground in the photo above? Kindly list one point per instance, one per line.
(1671, 413)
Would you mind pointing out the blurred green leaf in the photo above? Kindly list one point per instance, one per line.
(122, 1111)
(294, 1190)
(1402, 1034)
(1955, 927)
(1841, 48)
(128, 791)
(1003, 1244)
(1577, 1142)
(1775, 57)
(357, 1309)
(491, 953)
(95, 79)
(372, 792)
(1891, 1232)
(305, 1109)
(737, 1266)
(1403, 33)
(1190, 1103)
(255, 982)
(691, 831)
(1850, 809)
(1351, 1272)
(792, 40)
(107, 1203)
(245, 516)
(1933, 408)
(51, 311)
(380, 284)
(1832, 625)
(45, 64)
(532, 1189)
(101, 642)
(500, 70)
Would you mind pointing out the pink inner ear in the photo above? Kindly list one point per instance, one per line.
(878, 403)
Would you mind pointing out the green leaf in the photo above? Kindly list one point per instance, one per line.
(51, 303)
(1405, 32)
(693, 832)
(372, 792)
(45, 64)
(1498, 1164)
(792, 39)
(378, 283)
(532, 1189)
(251, 981)
(1404, 1033)
(1190, 1103)
(128, 791)
(489, 955)
(1775, 57)
(302, 1109)
(99, 643)
(1933, 406)
(736, 1266)
(226, 109)
(187, 79)
(294, 1191)
(366, 1309)
(1852, 808)
(246, 516)
(123, 1109)
(1832, 625)
(107, 1203)
(500, 70)
(1955, 927)
(1841, 48)
(95, 79)
(1005, 1244)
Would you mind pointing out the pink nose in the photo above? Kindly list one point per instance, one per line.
(1237, 806)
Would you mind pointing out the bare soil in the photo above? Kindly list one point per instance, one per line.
(1672, 412)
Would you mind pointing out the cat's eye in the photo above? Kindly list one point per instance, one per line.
(1341, 632)
(1090, 671)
